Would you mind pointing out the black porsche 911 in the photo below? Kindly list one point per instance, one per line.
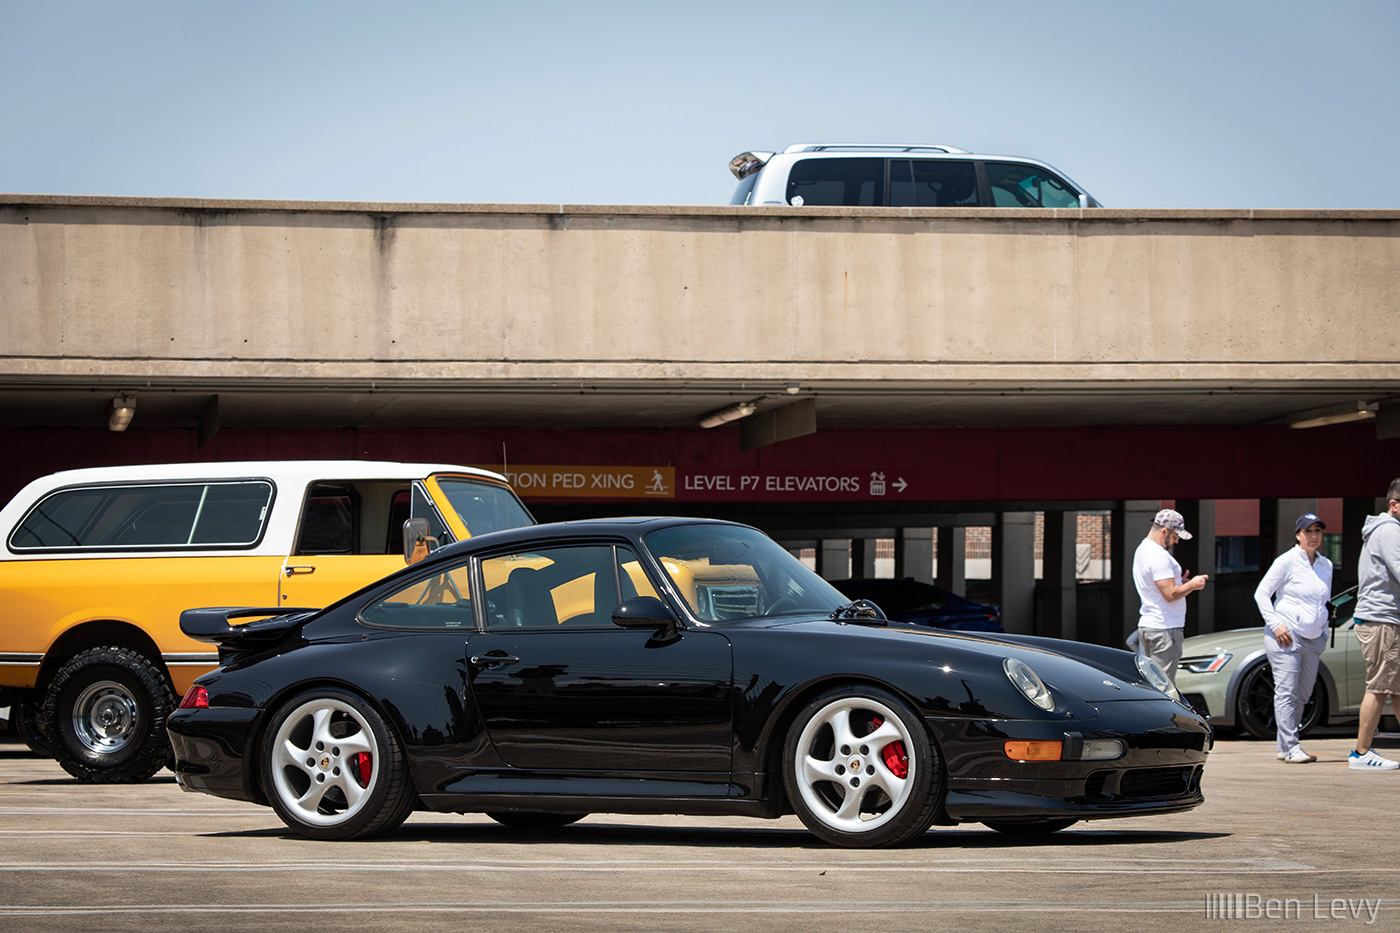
(666, 665)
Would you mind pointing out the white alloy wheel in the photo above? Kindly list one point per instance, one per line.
(861, 770)
(325, 762)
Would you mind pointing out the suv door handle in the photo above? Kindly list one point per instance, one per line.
(292, 571)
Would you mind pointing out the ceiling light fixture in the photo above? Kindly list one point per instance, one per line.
(1357, 411)
(725, 415)
(123, 410)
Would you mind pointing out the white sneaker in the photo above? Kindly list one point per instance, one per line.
(1282, 756)
(1297, 756)
(1370, 762)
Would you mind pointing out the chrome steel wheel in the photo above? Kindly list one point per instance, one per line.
(861, 770)
(106, 715)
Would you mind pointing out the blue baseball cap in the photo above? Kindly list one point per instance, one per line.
(1306, 519)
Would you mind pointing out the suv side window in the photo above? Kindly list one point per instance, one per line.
(1015, 185)
(172, 515)
(354, 517)
(837, 182)
(933, 183)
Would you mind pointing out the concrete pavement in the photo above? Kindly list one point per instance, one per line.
(1302, 846)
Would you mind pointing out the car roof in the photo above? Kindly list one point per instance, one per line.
(284, 470)
(627, 526)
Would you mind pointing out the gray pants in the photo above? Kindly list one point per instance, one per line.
(1295, 672)
(1162, 645)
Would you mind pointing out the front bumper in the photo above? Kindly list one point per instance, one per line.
(1160, 770)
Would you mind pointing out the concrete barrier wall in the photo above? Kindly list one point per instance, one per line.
(174, 288)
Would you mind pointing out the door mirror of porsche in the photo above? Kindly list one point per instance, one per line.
(646, 612)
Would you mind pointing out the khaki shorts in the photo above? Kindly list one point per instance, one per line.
(1380, 646)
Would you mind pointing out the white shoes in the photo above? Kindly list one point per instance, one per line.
(1370, 762)
(1296, 756)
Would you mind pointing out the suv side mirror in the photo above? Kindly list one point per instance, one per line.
(417, 543)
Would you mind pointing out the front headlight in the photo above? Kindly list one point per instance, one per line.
(1152, 672)
(1025, 679)
(1206, 663)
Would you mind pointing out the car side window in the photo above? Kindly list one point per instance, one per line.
(174, 515)
(354, 517)
(552, 587)
(837, 182)
(437, 602)
(933, 183)
(1017, 185)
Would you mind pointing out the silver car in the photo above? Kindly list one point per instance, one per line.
(1227, 678)
(871, 175)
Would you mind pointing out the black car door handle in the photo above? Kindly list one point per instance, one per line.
(486, 660)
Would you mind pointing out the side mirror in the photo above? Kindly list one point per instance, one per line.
(647, 612)
(417, 543)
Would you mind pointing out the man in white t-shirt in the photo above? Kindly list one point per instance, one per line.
(1163, 588)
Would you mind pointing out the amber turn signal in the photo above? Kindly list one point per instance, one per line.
(1033, 751)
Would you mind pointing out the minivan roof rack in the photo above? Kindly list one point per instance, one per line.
(865, 147)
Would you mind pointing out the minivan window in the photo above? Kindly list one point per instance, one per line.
(173, 515)
(933, 183)
(1017, 185)
(837, 182)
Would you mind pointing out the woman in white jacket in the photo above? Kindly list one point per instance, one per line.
(1292, 597)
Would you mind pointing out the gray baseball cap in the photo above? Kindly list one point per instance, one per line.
(1171, 518)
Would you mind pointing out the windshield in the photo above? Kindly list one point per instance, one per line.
(730, 572)
(484, 507)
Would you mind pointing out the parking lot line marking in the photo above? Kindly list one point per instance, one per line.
(607, 907)
(1263, 864)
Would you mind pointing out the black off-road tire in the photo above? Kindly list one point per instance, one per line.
(840, 780)
(28, 719)
(314, 778)
(104, 716)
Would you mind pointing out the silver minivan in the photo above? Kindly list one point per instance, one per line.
(862, 175)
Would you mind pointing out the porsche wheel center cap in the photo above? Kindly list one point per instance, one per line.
(325, 762)
(855, 764)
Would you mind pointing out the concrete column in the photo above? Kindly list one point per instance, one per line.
(834, 558)
(913, 554)
(1355, 510)
(1013, 570)
(1057, 575)
(1198, 556)
(1132, 520)
(1276, 518)
(952, 560)
(862, 558)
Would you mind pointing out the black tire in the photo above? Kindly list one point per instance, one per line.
(104, 716)
(28, 719)
(871, 731)
(1254, 704)
(360, 797)
(535, 820)
(1029, 828)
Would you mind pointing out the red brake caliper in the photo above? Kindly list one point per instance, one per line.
(896, 759)
(365, 765)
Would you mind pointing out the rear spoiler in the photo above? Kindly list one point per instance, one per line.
(215, 624)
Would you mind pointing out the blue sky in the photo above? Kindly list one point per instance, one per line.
(1251, 103)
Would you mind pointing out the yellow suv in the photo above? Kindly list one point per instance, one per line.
(98, 564)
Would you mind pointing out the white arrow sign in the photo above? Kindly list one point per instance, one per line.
(900, 484)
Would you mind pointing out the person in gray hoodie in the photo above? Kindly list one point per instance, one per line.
(1378, 628)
